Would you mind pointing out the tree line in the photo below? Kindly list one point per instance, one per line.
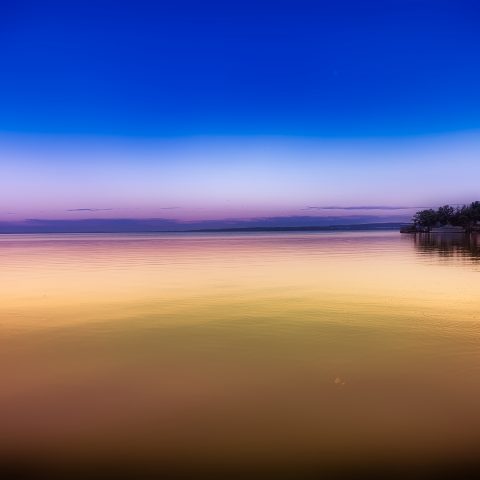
(465, 216)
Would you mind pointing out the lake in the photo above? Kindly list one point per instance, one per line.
(287, 351)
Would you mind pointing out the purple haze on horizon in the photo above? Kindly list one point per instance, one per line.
(232, 178)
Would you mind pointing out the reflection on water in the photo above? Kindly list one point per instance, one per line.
(257, 350)
(456, 246)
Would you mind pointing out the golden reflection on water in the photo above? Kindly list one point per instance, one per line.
(240, 348)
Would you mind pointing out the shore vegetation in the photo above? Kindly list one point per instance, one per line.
(465, 216)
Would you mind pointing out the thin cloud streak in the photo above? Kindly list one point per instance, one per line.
(361, 207)
(89, 209)
(109, 209)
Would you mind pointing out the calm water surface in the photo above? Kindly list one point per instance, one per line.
(250, 348)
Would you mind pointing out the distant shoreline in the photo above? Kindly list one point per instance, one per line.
(312, 228)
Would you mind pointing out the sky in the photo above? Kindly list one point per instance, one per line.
(236, 113)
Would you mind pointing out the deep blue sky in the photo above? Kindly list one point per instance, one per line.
(295, 68)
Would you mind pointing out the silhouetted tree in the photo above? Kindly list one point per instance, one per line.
(445, 214)
(475, 211)
(461, 217)
(426, 218)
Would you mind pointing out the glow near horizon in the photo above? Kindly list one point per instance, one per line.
(203, 178)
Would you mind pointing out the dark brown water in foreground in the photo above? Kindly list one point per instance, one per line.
(228, 354)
